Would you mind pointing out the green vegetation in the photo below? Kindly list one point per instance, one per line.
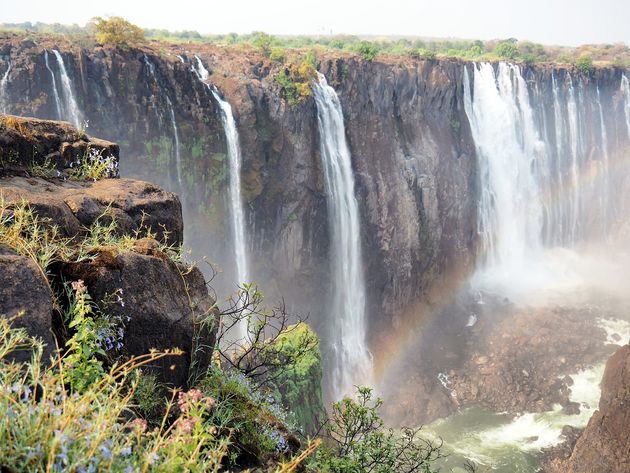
(359, 443)
(117, 31)
(367, 50)
(295, 81)
(280, 48)
(584, 63)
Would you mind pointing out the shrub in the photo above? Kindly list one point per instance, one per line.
(358, 442)
(506, 49)
(277, 54)
(367, 50)
(263, 41)
(584, 63)
(295, 81)
(117, 31)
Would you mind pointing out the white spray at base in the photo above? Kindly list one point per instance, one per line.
(625, 90)
(352, 362)
(3, 89)
(71, 109)
(236, 204)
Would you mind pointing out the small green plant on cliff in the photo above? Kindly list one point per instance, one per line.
(358, 442)
(584, 63)
(295, 81)
(117, 31)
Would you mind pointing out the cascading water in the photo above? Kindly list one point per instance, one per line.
(3, 89)
(171, 110)
(352, 362)
(236, 202)
(178, 158)
(71, 108)
(54, 86)
(531, 192)
(625, 89)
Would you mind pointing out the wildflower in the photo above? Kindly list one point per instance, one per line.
(106, 452)
(185, 425)
(126, 451)
(210, 402)
(79, 286)
(139, 425)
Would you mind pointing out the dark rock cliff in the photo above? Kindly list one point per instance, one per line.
(411, 147)
(412, 151)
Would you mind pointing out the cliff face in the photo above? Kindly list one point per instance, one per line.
(411, 147)
(412, 150)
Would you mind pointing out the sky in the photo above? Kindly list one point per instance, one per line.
(558, 22)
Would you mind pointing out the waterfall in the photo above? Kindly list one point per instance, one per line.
(603, 194)
(3, 89)
(540, 188)
(236, 202)
(54, 86)
(510, 208)
(352, 360)
(178, 159)
(625, 89)
(71, 108)
(176, 142)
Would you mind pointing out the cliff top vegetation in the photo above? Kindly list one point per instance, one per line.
(369, 47)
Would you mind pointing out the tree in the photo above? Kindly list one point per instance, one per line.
(507, 49)
(117, 31)
(584, 63)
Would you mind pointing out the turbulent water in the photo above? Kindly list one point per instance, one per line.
(71, 110)
(236, 203)
(625, 90)
(505, 444)
(543, 186)
(3, 89)
(350, 356)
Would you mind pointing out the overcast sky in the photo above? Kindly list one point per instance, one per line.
(562, 22)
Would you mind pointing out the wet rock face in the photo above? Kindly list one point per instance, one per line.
(604, 445)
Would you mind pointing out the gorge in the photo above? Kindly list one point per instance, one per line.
(424, 214)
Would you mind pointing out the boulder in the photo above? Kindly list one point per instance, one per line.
(164, 305)
(24, 290)
(28, 142)
(74, 206)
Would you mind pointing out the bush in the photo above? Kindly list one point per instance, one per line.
(367, 50)
(263, 41)
(117, 31)
(295, 81)
(358, 442)
(584, 63)
(506, 49)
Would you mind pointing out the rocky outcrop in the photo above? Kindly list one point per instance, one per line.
(27, 144)
(166, 305)
(604, 446)
(118, 236)
(25, 297)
